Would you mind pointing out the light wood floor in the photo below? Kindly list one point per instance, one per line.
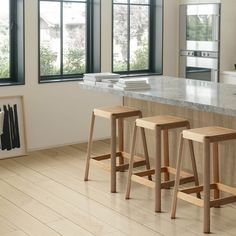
(44, 194)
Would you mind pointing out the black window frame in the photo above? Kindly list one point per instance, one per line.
(17, 44)
(93, 53)
(156, 18)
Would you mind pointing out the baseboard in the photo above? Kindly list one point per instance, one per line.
(65, 144)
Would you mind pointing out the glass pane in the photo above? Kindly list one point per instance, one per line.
(120, 38)
(50, 29)
(74, 38)
(120, 1)
(200, 28)
(139, 1)
(4, 39)
(139, 37)
(198, 73)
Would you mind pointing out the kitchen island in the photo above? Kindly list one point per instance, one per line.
(202, 103)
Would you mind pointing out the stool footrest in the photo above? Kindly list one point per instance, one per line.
(143, 181)
(101, 164)
(171, 183)
(222, 201)
(164, 170)
(145, 173)
(126, 166)
(184, 194)
(226, 188)
(172, 170)
(191, 199)
(139, 161)
(127, 156)
(138, 177)
(105, 156)
(197, 189)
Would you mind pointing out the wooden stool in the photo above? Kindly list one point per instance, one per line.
(115, 113)
(206, 136)
(158, 124)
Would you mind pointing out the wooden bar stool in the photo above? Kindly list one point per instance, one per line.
(160, 123)
(115, 113)
(206, 136)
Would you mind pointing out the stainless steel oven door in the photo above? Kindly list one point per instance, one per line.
(199, 27)
(199, 68)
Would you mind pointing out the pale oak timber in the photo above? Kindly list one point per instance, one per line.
(64, 169)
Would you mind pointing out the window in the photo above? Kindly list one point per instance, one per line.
(67, 39)
(137, 36)
(11, 42)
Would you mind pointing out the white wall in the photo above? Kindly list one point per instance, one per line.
(171, 38)
(59, 113)
(228, 35)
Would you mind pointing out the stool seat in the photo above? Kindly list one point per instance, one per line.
(212, 134)
(118, 111)
(165, 121)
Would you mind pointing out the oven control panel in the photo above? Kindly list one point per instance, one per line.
(191, 53)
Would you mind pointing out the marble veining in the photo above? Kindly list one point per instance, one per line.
(200, 95)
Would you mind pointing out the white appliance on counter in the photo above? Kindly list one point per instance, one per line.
(228, 77)
(200, 41)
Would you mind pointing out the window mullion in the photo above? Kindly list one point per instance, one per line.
(128, 38)
(61, 36)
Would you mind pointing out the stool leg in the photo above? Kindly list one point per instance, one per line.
(206, 185)
(177, 177)
(113, 154)
(216, 177)
(121, 139)
(89, 147)
(131, 162)
(166, 153)
(158, 169)
(194, 166)
(145, 151)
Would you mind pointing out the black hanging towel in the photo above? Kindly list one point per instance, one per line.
(11, 121)
(5, 137)
(16, 122)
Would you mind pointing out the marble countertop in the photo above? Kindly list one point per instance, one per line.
(194, 94)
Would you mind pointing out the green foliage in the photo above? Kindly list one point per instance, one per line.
(47, 62)
(4, 53)
(199, 28)
(120, 66)
(140, 60)
(74, 61)
(4, 61)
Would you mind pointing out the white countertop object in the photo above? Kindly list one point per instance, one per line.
(232, 73)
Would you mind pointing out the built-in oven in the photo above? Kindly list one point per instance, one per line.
(199, 41)
(200, 65)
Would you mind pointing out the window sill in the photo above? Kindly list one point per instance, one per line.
(48, 81)
(10, 83)
(139, 75)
